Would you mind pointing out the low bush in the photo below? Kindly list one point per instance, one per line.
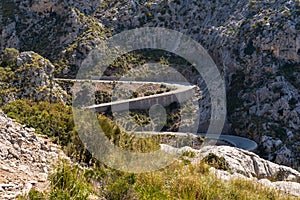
(69, 182)
(216, 161)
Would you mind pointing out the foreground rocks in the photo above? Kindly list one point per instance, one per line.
(249, 166)
(25, 159)
(292, 188)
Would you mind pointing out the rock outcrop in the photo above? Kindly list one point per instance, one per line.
(291, 188)
(25, 159)
(33, 79)
(249, 166)
(49, 27)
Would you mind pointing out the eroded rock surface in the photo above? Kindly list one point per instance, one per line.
(249, 166)
(25, 159)
(32, 79)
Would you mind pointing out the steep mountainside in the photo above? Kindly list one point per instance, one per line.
(25, 159)
(256, 45)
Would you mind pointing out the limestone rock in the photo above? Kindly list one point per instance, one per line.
(292, 188)
(251, 165)
(33, 79)
(24, 168)
(247, 166)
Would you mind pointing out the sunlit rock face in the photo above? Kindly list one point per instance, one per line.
(26, 160)
(245, 165)
(33, 79)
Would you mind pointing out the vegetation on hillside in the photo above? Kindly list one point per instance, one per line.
(181, 180)
(56, 122)
(177, 181)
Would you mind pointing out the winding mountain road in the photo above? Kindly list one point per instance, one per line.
(181, 93)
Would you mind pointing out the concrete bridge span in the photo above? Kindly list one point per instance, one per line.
(181, 94)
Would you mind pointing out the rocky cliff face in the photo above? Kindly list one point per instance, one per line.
(249, 166)
(31, 78)
(47, 27)
(255, 43)
(25, 159)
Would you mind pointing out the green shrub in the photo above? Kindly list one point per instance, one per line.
(189, 154)
(52, 120)
(148, 93)
(33, 195)
(9, 57)
(56, 122)
(69, 182)
(135, 94)
(289, 71)
(122, 188)
(125, 140)
(250, 49)
(159, 91)
(216, 162)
